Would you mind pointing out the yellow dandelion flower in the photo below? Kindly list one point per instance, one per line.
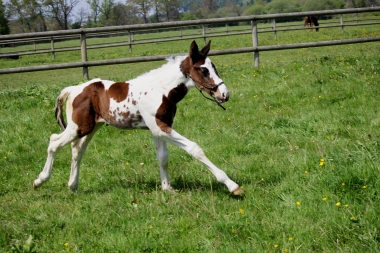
(275, 246)
(346, 206)
(324, 199)
(233, 230)
(241, 211)
(322, 162)
(290, 238)
(343, 184)
(126, 163)
(286, 250)
(66, 244)
(337, 204)
(298, 203)
(364, 186)
(306, 172)
(150, 227)
(352, 218)
(262, 179)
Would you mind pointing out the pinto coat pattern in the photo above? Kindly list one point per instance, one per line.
(146, 102)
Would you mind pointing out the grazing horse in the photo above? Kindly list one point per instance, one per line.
(310, 21)
(146, 102)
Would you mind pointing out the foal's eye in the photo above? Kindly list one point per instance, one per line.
(205, 72)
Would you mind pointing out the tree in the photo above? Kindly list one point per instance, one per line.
(188, 16)
(187, 5)
(143, 7)
(4, 27)
(255, 9)
(81, 15)
(209, 5)
(170, 8)
(60, 11)
(95, 8)
(312, 5)
(29, 13)
(106, 10)
(283, 6)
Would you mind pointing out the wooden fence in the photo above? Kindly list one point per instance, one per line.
(131, 29)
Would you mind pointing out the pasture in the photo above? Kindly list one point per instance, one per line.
(301, 135)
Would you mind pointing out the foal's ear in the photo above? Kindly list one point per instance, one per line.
(194, 52)
(196, 55)
(206, 49)
(194, 48)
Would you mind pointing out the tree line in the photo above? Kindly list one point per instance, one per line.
(20, 16)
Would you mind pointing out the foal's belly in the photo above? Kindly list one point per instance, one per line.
(125, 117)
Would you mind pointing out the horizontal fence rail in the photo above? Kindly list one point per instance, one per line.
(129, 31)
(164, 57)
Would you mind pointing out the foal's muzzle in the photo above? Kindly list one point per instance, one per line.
(221, 94)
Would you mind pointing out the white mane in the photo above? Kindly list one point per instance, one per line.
(167, 74)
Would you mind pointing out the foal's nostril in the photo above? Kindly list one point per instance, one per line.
(225, 97)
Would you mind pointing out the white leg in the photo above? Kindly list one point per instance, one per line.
(57, 141)
(78, 149)
(193, 149)
(162, 157)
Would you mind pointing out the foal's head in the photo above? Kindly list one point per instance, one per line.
(204, 74)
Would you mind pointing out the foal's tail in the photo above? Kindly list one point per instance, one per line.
(59, 107)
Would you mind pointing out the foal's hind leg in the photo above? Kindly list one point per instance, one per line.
(78, 149)
(57, 141)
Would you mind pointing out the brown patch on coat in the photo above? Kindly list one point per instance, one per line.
(93, 104)
(118, 91)
(167, 110)
(86, 108)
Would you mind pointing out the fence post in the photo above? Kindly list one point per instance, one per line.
(274, 28)
(34, 46)
(341, 22)
(130, 41)
(204, 34)
(83, 48)
(255, 41)
(180, 32)
(52, 47)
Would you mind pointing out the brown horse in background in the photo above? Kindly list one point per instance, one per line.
(310, 21)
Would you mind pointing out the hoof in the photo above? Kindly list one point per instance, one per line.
(34, 185)
(238, 192)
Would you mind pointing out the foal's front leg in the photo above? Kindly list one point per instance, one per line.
(162, 157)
(193, 149)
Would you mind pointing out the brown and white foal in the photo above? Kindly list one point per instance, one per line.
(147, 102)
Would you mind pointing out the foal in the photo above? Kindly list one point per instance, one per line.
(147, 102)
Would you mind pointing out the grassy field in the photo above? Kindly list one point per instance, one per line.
(301, 135)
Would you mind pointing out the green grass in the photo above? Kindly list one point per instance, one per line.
(299, 107)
